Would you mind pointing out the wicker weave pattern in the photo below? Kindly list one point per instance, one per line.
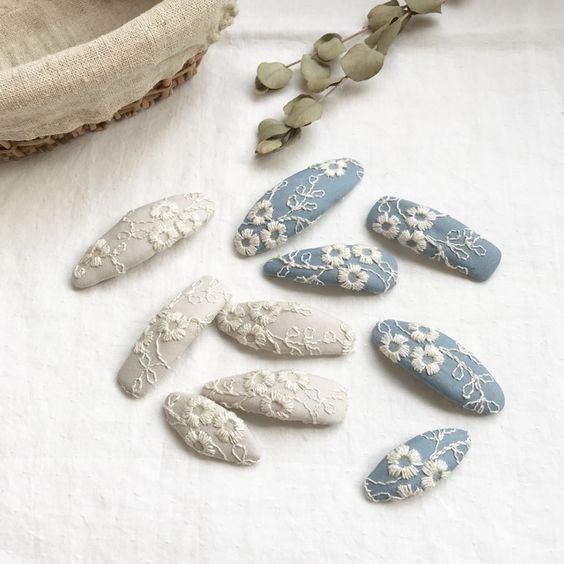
(10, 150)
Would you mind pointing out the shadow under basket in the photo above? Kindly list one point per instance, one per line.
(10, 150)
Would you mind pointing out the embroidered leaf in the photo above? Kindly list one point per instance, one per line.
(329, 46)
(425, 6)
(273, 76)
(361, 63)
(313, 69)
(383, 14)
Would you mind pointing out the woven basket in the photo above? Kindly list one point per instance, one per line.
(71, 66)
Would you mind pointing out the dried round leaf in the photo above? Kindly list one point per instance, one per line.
(268, 146)
(288, 107)
(274, 75)
(387, 36)
(303, 112)
(329, 46)
(271, 129)
(425, 6)
(361, 63)
(260, 88)
(321, 84)
(383, 15)
(313, 69)
(372, 39)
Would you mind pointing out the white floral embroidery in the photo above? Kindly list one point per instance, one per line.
(277, 405)
(172, 326)
(415, 240)
(367, 255)
(387, 225)
(420, 217)
(428, 359)
(143, 344)
(352, 277)
(405, 490)
(273, 235)
(187, 223)
(261, 213)
(259, 382)
(230, 318)
(292, 329)
(201, 442)
(434, 471)
(164, 210)
(395, 347)
(403, 462)
(293, 381)
(264, 312)
(334, 167)
(163, 237)
(229, 428)
(422, 333)
(97, 253)
(335, 255)
(252, 336)
(198, 411)
(247, 242)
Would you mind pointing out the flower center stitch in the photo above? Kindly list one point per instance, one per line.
(427, 359)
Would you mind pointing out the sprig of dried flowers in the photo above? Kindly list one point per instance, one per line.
(360, 62)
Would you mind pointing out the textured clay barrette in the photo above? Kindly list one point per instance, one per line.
(355, 268)
(417, 465)
(140, 234)
(434, 235)
(286, 395)
(211, 430)
(295, 204)
(169, 334)
(440, 362)
(286, 328)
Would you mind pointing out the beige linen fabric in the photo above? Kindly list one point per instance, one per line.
(72, 62)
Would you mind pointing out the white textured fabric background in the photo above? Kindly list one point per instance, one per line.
(467, 116)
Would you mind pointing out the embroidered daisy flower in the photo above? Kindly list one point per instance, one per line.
(395, 347)
(162, 237)
(164, 210)
(264, 312)
(259, 382)
(247, 242)
(420, 217)
(198, 411)
(229, 428)
(335, 255)
(274, 234)
(352, 277)
(172, 326)
(253, 336)
(293, 380)
(334, 167)
(367, 255)
(403, 462)
(422, 333)
(261, 213)
(387, 225)
(200, 442)
(230, 318)
(404, 491)
(277, 405)
(97, 253)
(415, 240)
(428, 359)
(434, 471)
(187, 223)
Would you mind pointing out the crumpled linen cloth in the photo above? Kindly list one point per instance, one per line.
(467, 117)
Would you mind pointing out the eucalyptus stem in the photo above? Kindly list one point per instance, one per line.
(360, 62)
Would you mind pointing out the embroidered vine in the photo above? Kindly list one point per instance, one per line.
(285, 328)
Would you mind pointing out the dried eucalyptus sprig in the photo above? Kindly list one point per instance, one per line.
(360, 62)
